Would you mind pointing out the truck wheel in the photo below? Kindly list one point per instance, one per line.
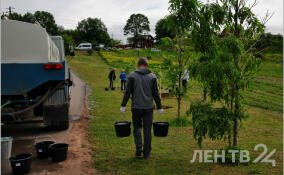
(64, 125)
(56, 116)
(38, 110)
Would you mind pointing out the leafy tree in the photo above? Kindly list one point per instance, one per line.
(225, 65)
(115, 42)
(61, 29)
(68, 43)
(182, 18)
(46, 20)
(136, 25)
(15, 16)
(166, 44)
(28, 17)
(163, 29)
(269, 43)
(75, 35)
(92, 30)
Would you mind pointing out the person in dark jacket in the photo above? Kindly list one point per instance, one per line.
(143, 89)
(123, 79)
(111, 78)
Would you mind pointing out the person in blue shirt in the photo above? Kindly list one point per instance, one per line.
(123, 79)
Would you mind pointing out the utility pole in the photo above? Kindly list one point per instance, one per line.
(10, 10)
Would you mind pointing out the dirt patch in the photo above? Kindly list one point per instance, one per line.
(164, 107)
(165, 95)
(79, 161)
(79, 157)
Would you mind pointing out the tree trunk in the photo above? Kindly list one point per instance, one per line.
(204, 94)
(179, 100)
(237, 113)
(232, 107)
(179, 76)
(179, 94)
(229, 141)
(236, 131)
(236, 31)
(160, 88)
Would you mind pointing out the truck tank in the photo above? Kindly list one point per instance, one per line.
(34, 74)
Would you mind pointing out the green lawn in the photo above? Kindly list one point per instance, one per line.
(143, 53)
(172, 154)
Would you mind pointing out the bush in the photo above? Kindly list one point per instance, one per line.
(228, 156)
(90, 52)
(180, 122)
(207, 121)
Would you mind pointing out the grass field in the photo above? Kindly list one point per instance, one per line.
(172, 154)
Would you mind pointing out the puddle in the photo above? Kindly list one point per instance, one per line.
(75, 117)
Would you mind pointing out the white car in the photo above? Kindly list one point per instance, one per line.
(84, 46)
(155, 50)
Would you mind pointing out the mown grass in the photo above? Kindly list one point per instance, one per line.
(172, 154)
(266, 89)
(154, 55)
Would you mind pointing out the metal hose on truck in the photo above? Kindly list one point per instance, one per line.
(49, 92)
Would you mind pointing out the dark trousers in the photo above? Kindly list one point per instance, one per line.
(123, 84)
(184, 84)
(142, 118)
(110, 83)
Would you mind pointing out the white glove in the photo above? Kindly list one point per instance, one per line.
(122, 110)
(160, 111)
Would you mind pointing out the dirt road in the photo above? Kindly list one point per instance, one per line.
(79, 158)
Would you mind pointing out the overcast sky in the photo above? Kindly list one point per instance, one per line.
(114, 13)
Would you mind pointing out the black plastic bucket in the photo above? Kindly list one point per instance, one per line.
(161, 129)
(122, 129)
(42, 149)
(21, 163)
(58, 151)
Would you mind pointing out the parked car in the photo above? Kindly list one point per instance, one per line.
(84, 46)
(128, 48)
(102, 46)
(155, 50)
(97, 48)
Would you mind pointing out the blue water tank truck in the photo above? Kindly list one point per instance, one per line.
(35, 77)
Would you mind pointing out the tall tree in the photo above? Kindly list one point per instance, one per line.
(28, 17)
(68, 43)
(136, 25)
(93, 30)
(46, 20)
(15, 16)
(226, 64)
(183, 16)
(164, 29)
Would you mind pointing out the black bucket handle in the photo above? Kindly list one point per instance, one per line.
(41, 137)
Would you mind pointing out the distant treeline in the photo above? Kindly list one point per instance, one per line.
(91, 30)
(94, 31)
(270, 43)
